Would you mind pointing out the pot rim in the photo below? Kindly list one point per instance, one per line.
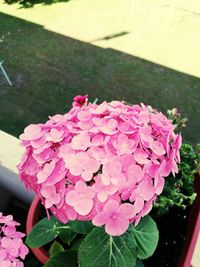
(40, 253)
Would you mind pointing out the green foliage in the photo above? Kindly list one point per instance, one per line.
(107, 251)
(97, 248)
(44, 232)
(81, 227)
(55, 248)
(139, 264)
(176, 119)
(179, 190)
(145, 236)
(67, 236)
(67, 258)
(76, 243)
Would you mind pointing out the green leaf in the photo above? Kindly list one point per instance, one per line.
(81, 227)
(67, 258)
(139, 264)
(99, 249)
(76, 243)
(146, 237)
(67, 236)
(55, 248)
(44, 232)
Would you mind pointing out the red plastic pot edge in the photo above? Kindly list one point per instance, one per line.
(188, 249)
(193, 229)
(40, 253)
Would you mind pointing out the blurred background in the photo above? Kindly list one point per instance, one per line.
(136, 50)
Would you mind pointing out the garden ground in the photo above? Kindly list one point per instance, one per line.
(120, 49)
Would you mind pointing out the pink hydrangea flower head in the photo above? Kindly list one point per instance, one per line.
(97, 161)
(12, 249)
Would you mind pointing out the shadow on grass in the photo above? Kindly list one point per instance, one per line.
(49, 69)
(31, 3)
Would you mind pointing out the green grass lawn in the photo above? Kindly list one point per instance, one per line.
(49, 69)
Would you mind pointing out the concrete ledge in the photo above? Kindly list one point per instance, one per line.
(10, 155)
(196, 255)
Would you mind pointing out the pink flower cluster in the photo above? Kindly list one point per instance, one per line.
(104, 163)
(12, 249)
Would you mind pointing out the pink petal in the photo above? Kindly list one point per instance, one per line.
(134, 172)
(148, 191)
(141, 156)
(100, 219)
(48, 203)
(89, 193)
(138, 205)
(81, 142)
(165, 168)
(47, 191)
(112, 124)
(126, 211)
(111, 206)
(46, 172)
(159, 183)
(57, 133)
(84, 115)
(54, 179)
(80, 186)
(105, 179)
(106, 130)
(115, 180)
(6, 263)
(87, 175)
(38, 142)
(85, 125)
(31, 132)
(143, 117)
(157, 148)
(97, 140)
(98, 122)
(125, 127)
(23, 251)
(102, 196)
(117, 227)
(2, 255)
(72, 198)
(147, 208)
(100, 109)
(6, 219)
(93, 165)
(84, 207)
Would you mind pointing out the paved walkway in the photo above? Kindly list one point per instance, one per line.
(196, 256)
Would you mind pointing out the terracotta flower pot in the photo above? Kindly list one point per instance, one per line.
(188, 249)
